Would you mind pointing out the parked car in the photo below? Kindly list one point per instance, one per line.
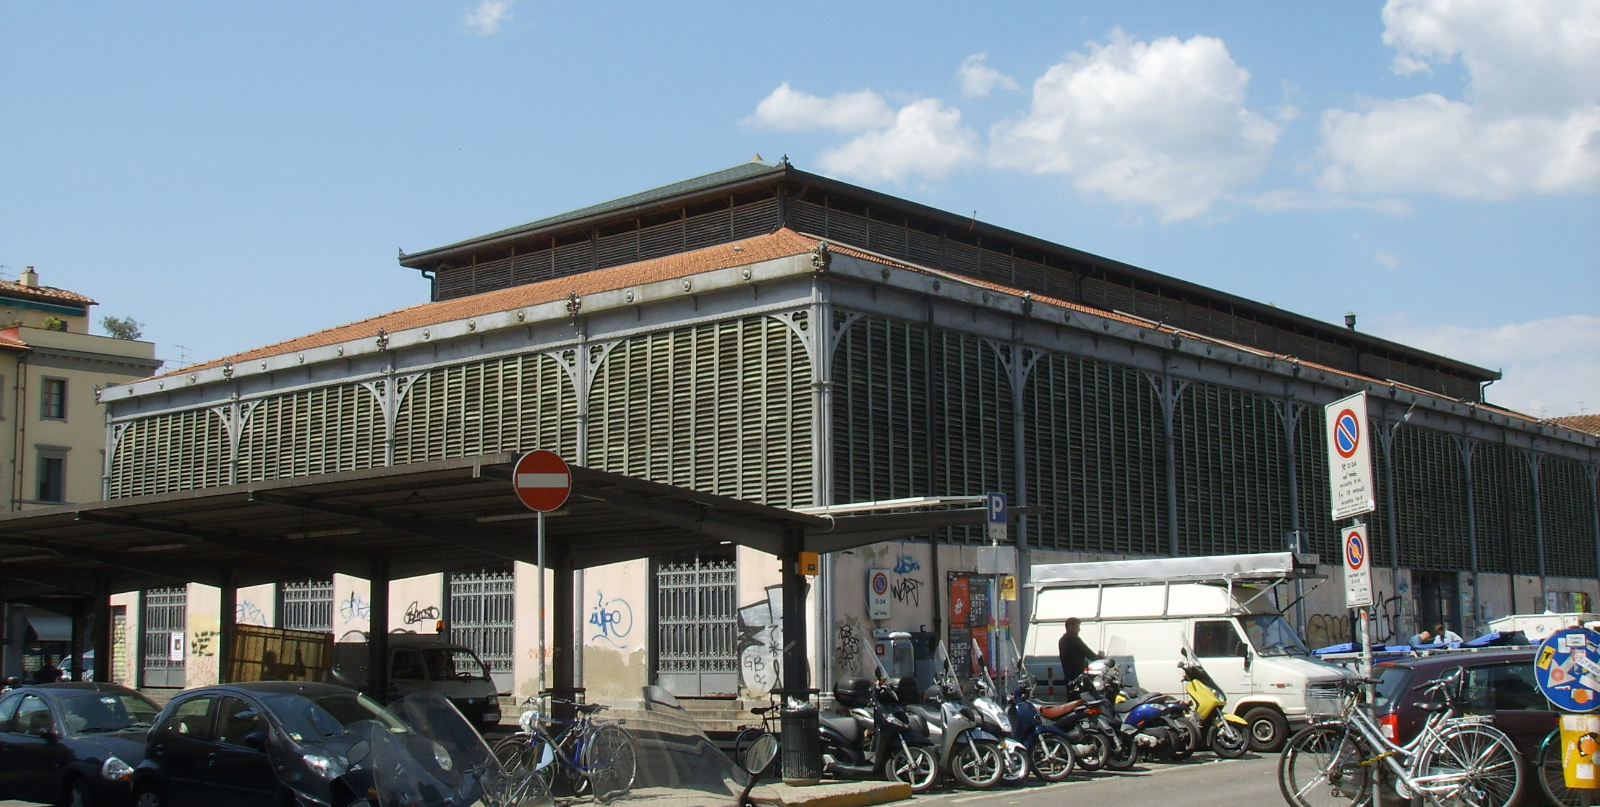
(1499, 683)
(423, 662)
(279, 743)
(72, 743)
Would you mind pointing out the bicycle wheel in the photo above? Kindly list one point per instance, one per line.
(1321, 767)
(609, 763)
(1471, 766)
(1551, 774)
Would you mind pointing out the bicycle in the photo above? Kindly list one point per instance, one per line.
(591, 757)
(1551, 775)
(770, 722)
(1457, 760)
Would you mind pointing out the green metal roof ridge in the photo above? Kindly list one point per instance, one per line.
(726, 175)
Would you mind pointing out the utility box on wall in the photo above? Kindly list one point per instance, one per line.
(893, 652)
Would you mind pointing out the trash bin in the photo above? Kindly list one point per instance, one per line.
(802, 740)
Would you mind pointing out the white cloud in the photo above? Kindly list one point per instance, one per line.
(788, 109)
(1551, 366)
(1160, 123)
(979, 79)
(487, 17)
(1296, 199)
(1530, 122)
(926, 139)
(1387, 258)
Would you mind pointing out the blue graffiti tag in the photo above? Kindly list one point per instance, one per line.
(354, 608)
(248, 613)
(613, 618)
(906, 565)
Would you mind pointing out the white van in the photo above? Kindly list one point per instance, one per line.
(1144, 612)
(420, 662)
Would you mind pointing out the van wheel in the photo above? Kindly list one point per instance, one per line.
(1268, 729)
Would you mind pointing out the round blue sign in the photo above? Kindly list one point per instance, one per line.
(1567, 669)
(1355, 550)
(1346, 434)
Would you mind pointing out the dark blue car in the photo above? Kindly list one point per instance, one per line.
(72, 743)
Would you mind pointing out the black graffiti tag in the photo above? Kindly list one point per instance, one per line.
(907, 590)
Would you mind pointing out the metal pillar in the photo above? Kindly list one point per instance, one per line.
(378, 629)
(563, 669)
(75, 640)
(227, 619)
(796, 655)
(101, 637)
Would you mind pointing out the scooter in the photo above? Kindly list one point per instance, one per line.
(971, 754)
(1100, 717)
(1052, 751)
(995, 720)
(1163, 723)
(1222, 731)
(875, 739)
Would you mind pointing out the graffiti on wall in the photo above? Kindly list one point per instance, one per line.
(248, 613)
(906, 564)
(414, 614)
(907, 590)
(1328, 629)
(847, 648)
(612, 619)
(761, 641)
(354, 607)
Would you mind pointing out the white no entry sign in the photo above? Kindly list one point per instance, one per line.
(542, 480)
(1357, 567)
(1349, 458)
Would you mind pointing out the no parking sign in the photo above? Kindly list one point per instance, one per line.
(1357, 567)
(877, 593)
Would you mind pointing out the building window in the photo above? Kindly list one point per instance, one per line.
(53, 399)
(52, 476)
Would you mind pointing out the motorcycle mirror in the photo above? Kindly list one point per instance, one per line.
(761, 754)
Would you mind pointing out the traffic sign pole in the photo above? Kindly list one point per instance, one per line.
(539, 593)
(543, 481)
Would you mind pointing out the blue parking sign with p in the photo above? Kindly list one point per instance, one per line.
(997, 508)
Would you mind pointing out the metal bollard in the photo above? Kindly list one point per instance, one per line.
(802, 744)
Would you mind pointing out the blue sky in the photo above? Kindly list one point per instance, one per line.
(233, 174)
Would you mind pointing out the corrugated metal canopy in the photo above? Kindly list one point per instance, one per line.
(417, 519)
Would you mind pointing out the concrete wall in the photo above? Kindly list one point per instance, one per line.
(616, 630)
(200, 662)
(416, 604)
(352, 608)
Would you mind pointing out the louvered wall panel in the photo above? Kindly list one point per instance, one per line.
(809, 218)
(319, 431)
(661, 239)
(1118, 489)
(925, 248)
(571, 259)
(756, 218)
(1495, 507)
(164, 453)
(618, 249)
(1564, 502)
(668, 407)
(973, 404)
(491, 275)
(708, 229)
(533, 267)
(1430, 499)
(1232, 468)
(1311, 486)
(511, 404)
(452, 283)
(882, 417)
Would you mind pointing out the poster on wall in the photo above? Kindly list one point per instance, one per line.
(971, 621)
(960, 637)
(978, 622)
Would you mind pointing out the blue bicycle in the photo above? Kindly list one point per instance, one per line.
(585, 756)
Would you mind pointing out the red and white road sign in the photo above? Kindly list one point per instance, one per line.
(542, 480)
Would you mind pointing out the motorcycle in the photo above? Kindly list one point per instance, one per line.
(1163, 722)
(1222, 731)
(994, 719)
(875, 738)
(971, 754)
(1052, 751)
(1100, 719)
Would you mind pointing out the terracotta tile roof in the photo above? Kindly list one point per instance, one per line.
(781, 244)
(1579, 423)
(47, 293)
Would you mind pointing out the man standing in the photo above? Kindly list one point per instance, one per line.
(1075, 655)
(1423, 638)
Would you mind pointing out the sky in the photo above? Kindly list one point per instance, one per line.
(232, 175)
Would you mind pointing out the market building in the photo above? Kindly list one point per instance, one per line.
(772, 336)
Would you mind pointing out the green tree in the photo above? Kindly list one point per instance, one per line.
(122, 327)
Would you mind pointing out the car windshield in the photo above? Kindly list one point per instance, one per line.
(1272, 635)
(92, 712)
(1391, 685)
(452, 662)
(315, 718)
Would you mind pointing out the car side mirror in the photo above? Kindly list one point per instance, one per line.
(256, 740)
(1244, 653)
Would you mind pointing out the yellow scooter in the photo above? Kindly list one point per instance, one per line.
(1223, 730)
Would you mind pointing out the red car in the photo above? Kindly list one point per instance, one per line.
(1499, 682)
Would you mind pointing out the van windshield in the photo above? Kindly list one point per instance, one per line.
(446, 663)
(1272, 635)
